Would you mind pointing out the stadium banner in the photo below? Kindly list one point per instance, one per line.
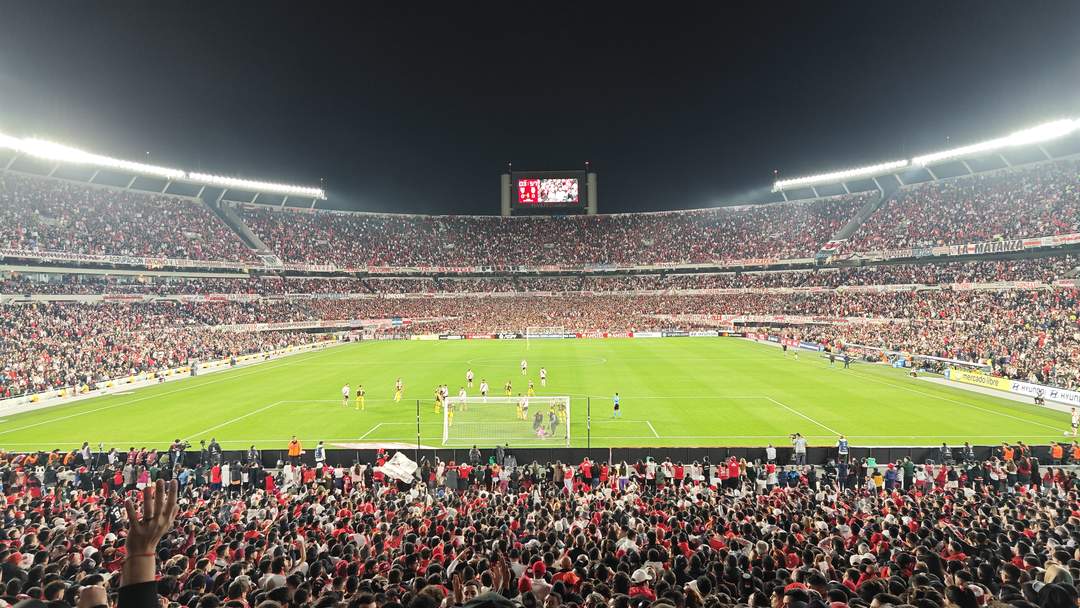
(704, 334)
(507, 336)
(999, 285)
(773, 338)
(479, 336)
(646, 334)
(450, 337)
(811, 346)
(1003, 246)
(675, 333)
(978, 379)
(1047, 392)
(1016, 387)
(424, 337)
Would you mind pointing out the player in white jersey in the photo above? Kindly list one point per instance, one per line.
(484, 390)
(464, 397)
(444, 390)
(345, 395)
(1075, 421)
(543, 376)
(524, 405)
(524, 367)
(469, 377)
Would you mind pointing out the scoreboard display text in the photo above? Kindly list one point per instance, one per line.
(551, 191)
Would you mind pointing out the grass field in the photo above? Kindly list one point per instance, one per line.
(675, 392)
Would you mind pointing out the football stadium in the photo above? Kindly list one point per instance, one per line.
(501, 349)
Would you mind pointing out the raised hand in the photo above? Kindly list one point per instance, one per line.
(158, 512)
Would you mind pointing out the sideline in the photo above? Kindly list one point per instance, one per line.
(21, 405)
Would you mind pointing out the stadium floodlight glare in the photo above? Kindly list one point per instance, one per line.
(48, 150)
(66, 154)
(839, 176)
(256, 186)
(1041, 133)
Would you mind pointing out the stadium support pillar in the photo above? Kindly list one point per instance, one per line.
(593, 199)
(504, 194)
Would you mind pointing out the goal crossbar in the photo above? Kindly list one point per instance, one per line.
(517, 421)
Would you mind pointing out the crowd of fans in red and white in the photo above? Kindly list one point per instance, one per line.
(788, 230)
(52, 215)
(212, 529)
(1028, 202)
(1031, 334)
(1043, 269)
(68, 345)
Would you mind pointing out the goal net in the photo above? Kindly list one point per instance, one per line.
(544, 332)
(474, 420)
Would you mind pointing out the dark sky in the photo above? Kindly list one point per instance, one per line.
(407, 107)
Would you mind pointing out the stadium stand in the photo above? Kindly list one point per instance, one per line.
(1027, 202)
(499, 533)
(52, 215)
(349, 240)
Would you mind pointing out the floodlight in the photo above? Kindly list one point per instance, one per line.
(66, 154)
(256, 186)
(839, 176)
(1041, 133)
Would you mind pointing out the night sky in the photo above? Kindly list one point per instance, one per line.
(405, 107)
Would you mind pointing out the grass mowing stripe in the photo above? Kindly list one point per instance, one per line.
(680, 383)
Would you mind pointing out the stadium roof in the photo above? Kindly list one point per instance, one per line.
(165, 178)
(994, 151)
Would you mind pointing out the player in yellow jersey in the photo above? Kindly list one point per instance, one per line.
(360, 397)
(532, 391)
(438, 400)
(508, 389)
(398, 389)
(520, 411)
(449, 414)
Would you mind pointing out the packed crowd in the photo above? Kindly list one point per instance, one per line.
(494, 533)
(52, 215)
(1030, 334)
(1030, 202)
(786, 230)
(52, 346)
(1043, 269)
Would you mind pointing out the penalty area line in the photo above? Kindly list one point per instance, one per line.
(371, 430)
(653, 429)
(802, 415)
(234, 420)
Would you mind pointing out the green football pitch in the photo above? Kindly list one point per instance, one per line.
(674, 391)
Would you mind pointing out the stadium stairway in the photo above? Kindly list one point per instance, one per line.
(888, 190)
(252, 240)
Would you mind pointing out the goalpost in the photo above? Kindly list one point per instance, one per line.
(542, 332)
(474, 421)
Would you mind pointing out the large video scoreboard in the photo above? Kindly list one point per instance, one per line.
(548, 192)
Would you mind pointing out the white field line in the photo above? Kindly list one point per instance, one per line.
(228, 422)
(225, 376)
(653, 429)
(371, 430)
(947, 399)
(802, 415)
(284, 440)
(965, 404)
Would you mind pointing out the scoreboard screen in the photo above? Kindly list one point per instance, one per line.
(549, 191)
